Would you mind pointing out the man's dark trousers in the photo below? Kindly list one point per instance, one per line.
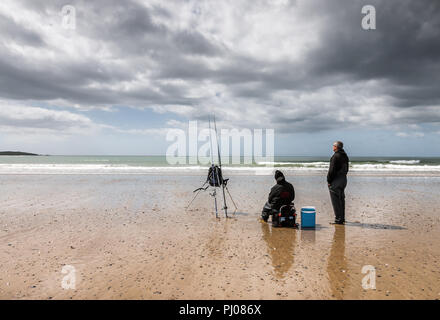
(337, 195)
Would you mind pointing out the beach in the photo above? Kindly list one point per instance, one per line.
(113, 112)
(128, 236)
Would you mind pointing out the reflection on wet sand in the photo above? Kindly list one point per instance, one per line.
(280, 245)
(337, 264)
(308, 236)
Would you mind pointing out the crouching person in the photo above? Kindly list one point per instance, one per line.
(281, 194)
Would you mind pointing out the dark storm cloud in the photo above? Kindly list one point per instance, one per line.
(65, 81)
(143, 55)
(194, 43)
(128, 27)
(125, 27)
(11, 31)
(403, 50)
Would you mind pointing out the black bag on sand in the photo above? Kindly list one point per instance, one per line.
(285, 217)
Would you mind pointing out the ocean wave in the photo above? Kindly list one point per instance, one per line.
(394, 167)
(91, 169)
(126, 169)
(409, 162)
(317, 164)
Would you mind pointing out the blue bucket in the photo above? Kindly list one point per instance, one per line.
(308, 217)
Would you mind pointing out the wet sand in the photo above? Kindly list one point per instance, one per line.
(129, 237)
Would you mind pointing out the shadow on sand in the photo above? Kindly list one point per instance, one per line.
(316, 228)
(238, 213)
(373, 226)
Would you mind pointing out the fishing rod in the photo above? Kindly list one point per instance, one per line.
(215, 176)
(215, 171)
(225, 207)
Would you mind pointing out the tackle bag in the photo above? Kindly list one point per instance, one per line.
(285, 217)
(215, 177)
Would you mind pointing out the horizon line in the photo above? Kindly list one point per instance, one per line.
(291, 155)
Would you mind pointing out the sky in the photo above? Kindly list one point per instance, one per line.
(116, 78)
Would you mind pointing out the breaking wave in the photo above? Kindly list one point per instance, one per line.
(405, 161)
(261, 167)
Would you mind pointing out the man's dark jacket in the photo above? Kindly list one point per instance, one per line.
(281, 194)
(338, 167)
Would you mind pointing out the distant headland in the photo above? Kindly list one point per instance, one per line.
(16, 153)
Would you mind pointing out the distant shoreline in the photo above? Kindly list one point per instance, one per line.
(16, 153)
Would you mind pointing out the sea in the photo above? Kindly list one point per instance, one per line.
(161, 165)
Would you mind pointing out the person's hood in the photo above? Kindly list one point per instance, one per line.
(281, 179)
(279, 176)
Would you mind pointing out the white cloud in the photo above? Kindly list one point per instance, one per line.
(19, 119)
(410, 134)
(147, 132)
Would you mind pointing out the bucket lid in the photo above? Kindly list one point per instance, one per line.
(308, 209)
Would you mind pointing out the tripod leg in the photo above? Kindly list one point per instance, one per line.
(215, 204)
(187, 207)
(224, 202)
(232, 199)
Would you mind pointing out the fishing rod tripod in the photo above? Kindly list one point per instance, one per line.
(215, 178)
(213, 193)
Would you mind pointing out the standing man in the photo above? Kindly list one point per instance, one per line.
(337, 181)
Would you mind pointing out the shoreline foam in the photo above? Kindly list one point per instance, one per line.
(131, 169)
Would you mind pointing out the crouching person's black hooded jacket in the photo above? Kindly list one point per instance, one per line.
(282, 193)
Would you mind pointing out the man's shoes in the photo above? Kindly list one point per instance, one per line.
(338, 222)
(263, 219)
